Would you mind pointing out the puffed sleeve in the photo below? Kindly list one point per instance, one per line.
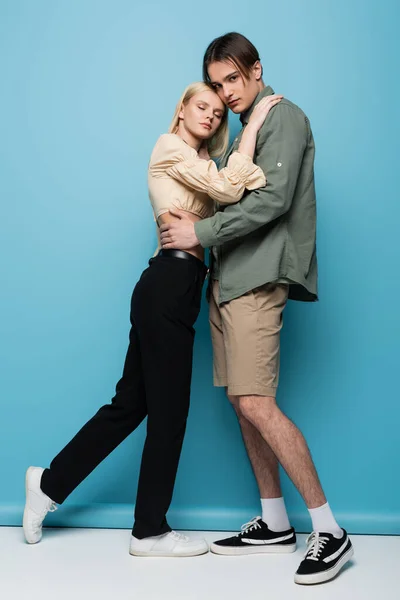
(226, 186)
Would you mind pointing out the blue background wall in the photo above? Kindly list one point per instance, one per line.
(86, 88)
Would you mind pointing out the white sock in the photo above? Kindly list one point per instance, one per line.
(324, 521)
(274, 514)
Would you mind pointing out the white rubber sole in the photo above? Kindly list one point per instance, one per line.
(327, 575)
(29, 540)
(265, 549)
(167, 554)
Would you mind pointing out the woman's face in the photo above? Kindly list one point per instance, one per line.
(202, 115)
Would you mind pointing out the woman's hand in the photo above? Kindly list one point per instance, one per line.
(261, 111)
(203, 151)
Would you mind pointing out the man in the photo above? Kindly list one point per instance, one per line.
(264, 252)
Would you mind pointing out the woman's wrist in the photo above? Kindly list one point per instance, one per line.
(249, 134)
(248, 142)
(252, 129)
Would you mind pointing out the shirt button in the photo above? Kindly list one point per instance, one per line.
(279, 164)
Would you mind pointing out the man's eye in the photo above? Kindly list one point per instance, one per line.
(233, 78)
(201, 107)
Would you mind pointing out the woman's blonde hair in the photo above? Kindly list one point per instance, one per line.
(218, 144)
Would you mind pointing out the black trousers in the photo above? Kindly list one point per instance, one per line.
(155, 383)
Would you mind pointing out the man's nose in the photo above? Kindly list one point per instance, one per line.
(227, 92)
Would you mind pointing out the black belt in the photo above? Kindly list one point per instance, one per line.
(185, 256)
(178, 254)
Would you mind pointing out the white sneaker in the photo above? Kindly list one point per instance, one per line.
(37, 506)
(168, 544)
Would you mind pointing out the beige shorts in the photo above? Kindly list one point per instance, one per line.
(245, 335)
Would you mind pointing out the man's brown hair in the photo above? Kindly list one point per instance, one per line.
(232, 47)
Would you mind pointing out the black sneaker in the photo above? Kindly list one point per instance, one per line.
(254, 538)
(324, 558)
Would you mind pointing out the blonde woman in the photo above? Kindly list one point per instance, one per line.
(164, 307)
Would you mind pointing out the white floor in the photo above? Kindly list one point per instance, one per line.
(95, 564)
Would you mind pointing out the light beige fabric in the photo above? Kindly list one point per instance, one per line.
(177, 177)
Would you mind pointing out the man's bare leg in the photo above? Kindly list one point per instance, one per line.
(273, 533)
(263, 460)
(287, 444)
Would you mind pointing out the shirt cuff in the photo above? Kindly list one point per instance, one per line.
(205, 233)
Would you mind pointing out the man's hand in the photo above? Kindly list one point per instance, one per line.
(180, 234)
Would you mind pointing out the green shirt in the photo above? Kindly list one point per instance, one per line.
(270, 235)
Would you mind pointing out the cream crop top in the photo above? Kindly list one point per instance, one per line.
(177, 177)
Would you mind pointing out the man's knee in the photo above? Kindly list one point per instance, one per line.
(253, 408)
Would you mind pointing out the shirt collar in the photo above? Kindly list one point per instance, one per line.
(245, 116)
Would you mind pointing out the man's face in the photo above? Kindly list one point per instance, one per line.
(234, 90)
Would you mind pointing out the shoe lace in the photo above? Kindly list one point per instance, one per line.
(178, 537)
(315, 545)
(253, 524)
(37, 523)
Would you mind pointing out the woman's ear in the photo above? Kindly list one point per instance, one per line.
(181, 114)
